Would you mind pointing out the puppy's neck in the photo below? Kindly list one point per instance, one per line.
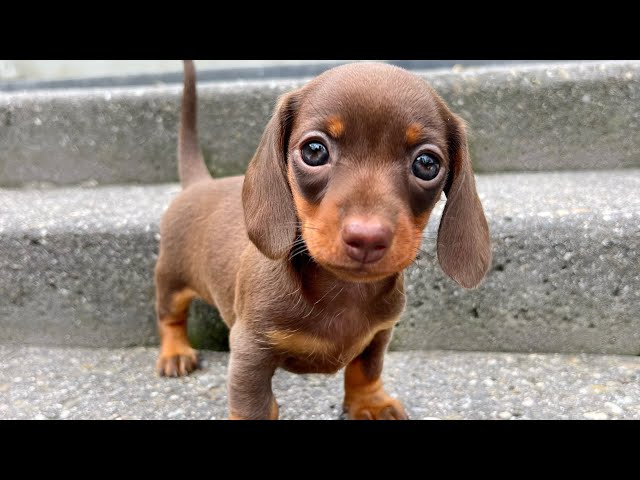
(316, 282)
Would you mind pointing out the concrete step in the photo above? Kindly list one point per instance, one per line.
(17, 75)
(558, 116)
(73, 383)
(78, 265)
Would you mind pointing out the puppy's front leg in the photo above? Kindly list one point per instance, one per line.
(251, 368)
(364, 395)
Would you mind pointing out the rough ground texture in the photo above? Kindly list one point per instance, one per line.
(39, 383)
(524, 117)
(78, 269)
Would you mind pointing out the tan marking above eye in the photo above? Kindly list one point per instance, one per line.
(413, 134)
(335, 127)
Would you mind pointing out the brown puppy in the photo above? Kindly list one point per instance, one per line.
(308, 275)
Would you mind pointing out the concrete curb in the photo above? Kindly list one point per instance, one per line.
(78, 269)
(525, 117)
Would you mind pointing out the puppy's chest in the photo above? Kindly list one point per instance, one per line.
(327, 335)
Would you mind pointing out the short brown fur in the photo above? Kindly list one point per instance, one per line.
(268, 249)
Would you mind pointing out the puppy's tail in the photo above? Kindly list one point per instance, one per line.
(191, 166)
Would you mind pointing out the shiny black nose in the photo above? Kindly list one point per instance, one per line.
(366, 239)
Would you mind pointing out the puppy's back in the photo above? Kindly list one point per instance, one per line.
(202, 236)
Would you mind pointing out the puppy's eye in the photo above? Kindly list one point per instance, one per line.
(315, 154)
(425, 167)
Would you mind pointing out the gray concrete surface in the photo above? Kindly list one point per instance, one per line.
(50, 71)
(74, 69)
(50, 383)
(533, 117)
(83, 74)
(77, 269)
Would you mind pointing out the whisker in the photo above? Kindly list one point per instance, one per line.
(297, 243)
(295, 291)
(426, 254)
(401, 293)
(299, 251)
(295, 224)
(329, 291)
(336, 296)
(310, 311)
(336, 316)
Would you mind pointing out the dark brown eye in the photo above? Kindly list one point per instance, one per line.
(315, 154)
(425, 167)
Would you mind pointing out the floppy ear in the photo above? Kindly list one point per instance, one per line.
(464, 246)
(269, 213)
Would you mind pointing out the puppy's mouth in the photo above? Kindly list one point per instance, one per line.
(359, 273)
(348, 270)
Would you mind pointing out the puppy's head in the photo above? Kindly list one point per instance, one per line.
(355, 161)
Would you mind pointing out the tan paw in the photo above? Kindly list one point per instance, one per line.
(376, 406)
(177, 364)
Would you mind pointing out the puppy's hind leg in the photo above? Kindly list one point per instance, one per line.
(176, 358)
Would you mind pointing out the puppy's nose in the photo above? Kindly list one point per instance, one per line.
(366, 239)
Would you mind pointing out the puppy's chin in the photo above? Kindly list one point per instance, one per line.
(350, 271)
(358, 275)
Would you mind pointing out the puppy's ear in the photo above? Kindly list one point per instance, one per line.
(464, 246)
(269, 213)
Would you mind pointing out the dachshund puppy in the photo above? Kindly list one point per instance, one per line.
(304, 255)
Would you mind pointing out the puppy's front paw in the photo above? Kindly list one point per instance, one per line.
(177, 364)
(377, 405)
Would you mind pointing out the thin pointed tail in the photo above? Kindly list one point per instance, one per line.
(191, 166)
